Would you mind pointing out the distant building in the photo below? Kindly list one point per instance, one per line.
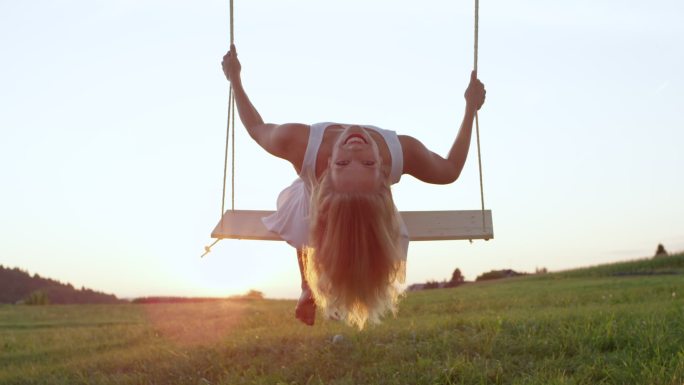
(416, 287)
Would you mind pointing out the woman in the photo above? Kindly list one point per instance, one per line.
(339, 213)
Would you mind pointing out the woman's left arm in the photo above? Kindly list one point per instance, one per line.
(429, 167)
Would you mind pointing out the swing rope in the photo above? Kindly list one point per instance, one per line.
(225, 160)
(232, 175)
(231, 114)
(477, 121)
(230, 140)
(231, 129)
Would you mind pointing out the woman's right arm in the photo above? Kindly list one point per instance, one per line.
(287, 141)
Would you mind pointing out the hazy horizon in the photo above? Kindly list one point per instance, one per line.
(295, 296)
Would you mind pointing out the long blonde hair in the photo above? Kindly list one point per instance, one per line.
(355, 259)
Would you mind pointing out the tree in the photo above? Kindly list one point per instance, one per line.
(660, 251)
(37, 297)
(457, 277)
(254, 294)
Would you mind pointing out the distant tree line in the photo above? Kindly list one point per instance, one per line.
(19, 287)
(498, 274)
(457, 278)
(162, 299)
(250, 295)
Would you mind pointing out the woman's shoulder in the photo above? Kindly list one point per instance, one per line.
(411, 149)
(291, 136)
(408, 141)
(287, 141)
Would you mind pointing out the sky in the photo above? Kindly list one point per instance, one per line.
(113, 120)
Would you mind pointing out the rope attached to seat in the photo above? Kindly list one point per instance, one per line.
(231, 113)
(225, 157)
(230, 129)
(230, 137)
(477, 120)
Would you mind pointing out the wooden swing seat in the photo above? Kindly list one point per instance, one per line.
(421, 225)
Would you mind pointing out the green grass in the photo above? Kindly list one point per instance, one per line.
(581, 327)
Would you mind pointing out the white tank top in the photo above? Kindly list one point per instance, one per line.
(308, 171)
(291, 220)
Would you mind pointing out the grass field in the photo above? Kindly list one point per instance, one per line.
(615, 324)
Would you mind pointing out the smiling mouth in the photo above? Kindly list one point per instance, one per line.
(355, 138)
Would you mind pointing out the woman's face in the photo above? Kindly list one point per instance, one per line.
(355, 164)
